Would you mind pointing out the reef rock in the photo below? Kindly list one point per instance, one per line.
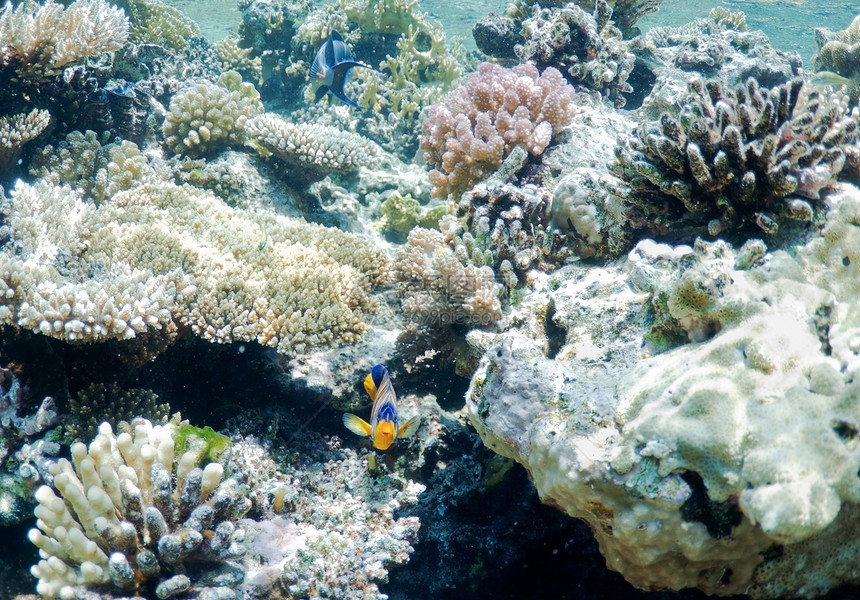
(696, 406)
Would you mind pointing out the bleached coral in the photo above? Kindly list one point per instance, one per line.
(17, 130)
(160, 255)
(130, 511)
(438, 289)
(469, 135)
(205, 117)
(37, 40)
(310, 150)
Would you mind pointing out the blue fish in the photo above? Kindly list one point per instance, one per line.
(332, 65)
(384, 426)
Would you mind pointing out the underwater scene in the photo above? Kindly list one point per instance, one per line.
(416, 299)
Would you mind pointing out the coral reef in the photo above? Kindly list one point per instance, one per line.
(469, 135)
(310, 151)
(728, 464)
(205, 116)
(235, 58)
(438, 289)
(402, 213)
(736, 163)
(17, 130)
(133, 517)
(625, 12)
(587, 49)
(38, 40)
(100, 403)
(159, 256)
(839, 52)
(154, 22)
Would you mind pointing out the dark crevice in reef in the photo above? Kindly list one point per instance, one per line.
(718, 517)
(555, 336)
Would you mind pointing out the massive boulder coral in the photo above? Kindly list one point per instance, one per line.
(839, 52)
(468, 136)
(588, 49)
(737, 163)
(159, 256)
(134, 512)
(727, 463)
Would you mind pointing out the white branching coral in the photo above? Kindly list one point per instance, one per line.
(17, 130)
(159, 255)
(36, 41)
(205, 116)
(131, 513)
(316, 150)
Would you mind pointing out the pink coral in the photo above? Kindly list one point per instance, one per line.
(469, 135)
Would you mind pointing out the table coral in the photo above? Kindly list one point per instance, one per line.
(736, 163)
(131, 515)
(468, 136)
(159, 255)
(588, 48)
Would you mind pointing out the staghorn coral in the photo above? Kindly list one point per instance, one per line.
(587, 48)
(17, 130)
(467, 137)
(132, 515)
(310, 151)
(206, 117)
(736, 162)
(159, 256)
(111, 404)
(839, 52)
(37, 41)
(436, 288)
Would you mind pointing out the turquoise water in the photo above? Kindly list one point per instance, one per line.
(789, 23)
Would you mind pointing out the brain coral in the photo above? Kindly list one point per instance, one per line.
(737, 163)
(159, 256)
(468, 136)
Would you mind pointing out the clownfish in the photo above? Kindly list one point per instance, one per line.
(384, 426)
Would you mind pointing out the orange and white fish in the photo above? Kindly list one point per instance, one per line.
(384, 426)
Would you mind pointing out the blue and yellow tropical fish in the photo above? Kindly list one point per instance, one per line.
(384, 426)
(331, 68)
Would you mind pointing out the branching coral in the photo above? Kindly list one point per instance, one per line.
(588, 48)
(737, 160)
(438, 289)
(154, 22)
(159, 256)
(310, 151)
(468, 136)
(625, 12)
(205, 117)
(17, 130)
(132, 515)
(37, 41)
(109, 403)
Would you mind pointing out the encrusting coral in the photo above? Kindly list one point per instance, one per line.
(205, 116)
(588, 48)
(159, 256)
(38, 40)
(468, 136)
(737, 162)
(133, 514)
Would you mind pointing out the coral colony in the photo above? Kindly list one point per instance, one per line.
(655, 308)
